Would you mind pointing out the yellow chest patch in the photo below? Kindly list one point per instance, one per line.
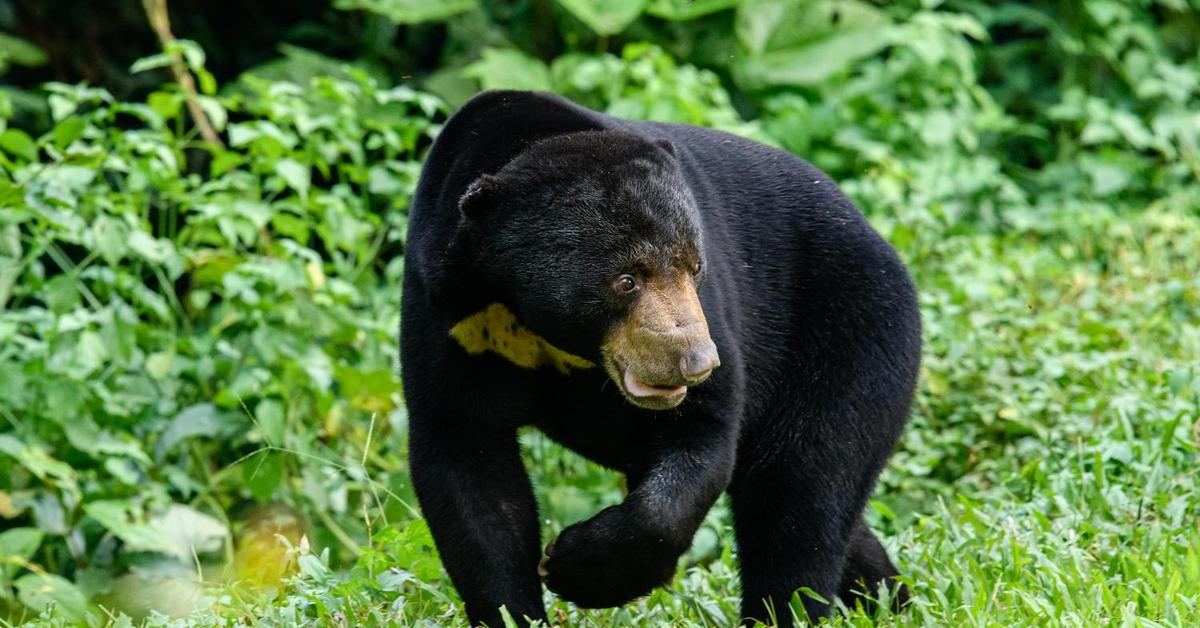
(495, 328)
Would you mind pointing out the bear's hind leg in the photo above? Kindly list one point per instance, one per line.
(867, 568)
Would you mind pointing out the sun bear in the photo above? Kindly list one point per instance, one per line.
(698, 311)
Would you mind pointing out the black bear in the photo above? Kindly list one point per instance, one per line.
(697, 311)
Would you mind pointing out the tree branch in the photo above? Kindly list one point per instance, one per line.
(160, 21)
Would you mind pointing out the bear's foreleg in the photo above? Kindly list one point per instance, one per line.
(625, 551)
(477, 499)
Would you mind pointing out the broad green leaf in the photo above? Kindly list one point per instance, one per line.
(263, 473)
(451, 86)
(189, 532)
(300, 66)
(505, 68)
(48, 513)
(10, 241)
(215, 111)
(680, 10)
(180, 532)
(202, 419)
(68, 131)
(111, 238)
(60, 107)
(605, 17)
(271, 420)
(409, 11)
(383, 180)
(166, 104)
(769, 25)
(808, 64)
(124, 470)
(14, 50)
(313, 567)
(297, 175)
(17, 543)
(86, 436)
(157, 250)
(19, 144)
(90, 354)
(35, 459)
(125, 519)
(39, 591)
(802, 42)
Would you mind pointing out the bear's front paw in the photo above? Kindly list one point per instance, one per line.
(607, 561)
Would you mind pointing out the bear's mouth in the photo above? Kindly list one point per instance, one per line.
(638, 388)
(644, 394)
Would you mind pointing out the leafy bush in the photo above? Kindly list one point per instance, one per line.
(200, 324)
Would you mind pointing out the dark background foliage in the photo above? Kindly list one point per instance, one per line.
(199, 407)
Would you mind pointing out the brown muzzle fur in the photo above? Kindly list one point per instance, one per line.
(664, 342)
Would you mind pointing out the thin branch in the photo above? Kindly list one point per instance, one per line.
(160, 21)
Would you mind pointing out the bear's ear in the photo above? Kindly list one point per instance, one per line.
(666, 145)
(480, 193)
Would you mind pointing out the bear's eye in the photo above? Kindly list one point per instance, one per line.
(625, 284)
(696, 269)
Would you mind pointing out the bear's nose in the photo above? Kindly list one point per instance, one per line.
(698, 363)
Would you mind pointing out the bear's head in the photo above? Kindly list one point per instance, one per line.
(592, 239)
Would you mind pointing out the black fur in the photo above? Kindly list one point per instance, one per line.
(813, 314)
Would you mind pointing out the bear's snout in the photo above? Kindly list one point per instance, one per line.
(663, 347)
(698, 363)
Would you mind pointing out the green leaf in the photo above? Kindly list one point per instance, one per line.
(803, 42)
(505, 68)
(48, 513)
(110, 237)
(180, 531)
(19, 543)
(201, 419)
(882, 508)
(18, 143)
(68, 131)
(20, 52)
(300, 66)
(39, 591)
(271, 420)
(680, 10)
(166, 104)
(156, 250)
(124, 518)
(86, 436)
(191, 52)
(35, 459)
(409, 11)
(263, 474)
(809, 593)
(605, 17)
(152, 62)
(772, 25)
(189, 532)
(297, 175)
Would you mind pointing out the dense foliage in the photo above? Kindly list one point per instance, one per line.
(198, 392)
